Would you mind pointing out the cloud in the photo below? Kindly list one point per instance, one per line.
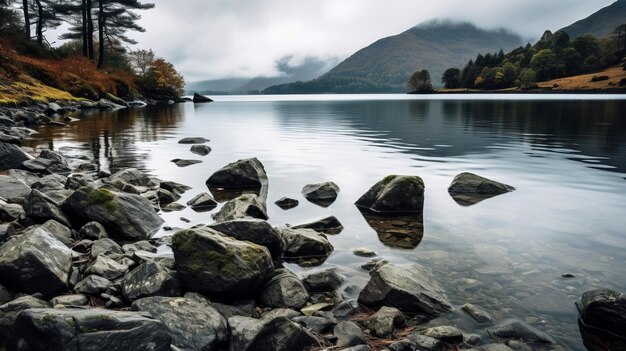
(210, 39)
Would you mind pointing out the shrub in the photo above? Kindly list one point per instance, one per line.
(599, 78)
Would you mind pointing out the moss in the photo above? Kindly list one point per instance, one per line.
(101, 196)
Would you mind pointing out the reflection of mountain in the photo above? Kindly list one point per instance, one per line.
(111, 137)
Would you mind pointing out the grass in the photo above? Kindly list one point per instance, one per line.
(584, 82)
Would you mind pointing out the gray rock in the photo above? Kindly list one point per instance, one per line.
(317, 325)
(394, 194)
(254, 230)
(193, 323)
(201, 150)
(38, 165)
(59, 231)
(286, 203)
(518, 346)
(185, 163)
(193, 140)
(41, 208)
(246, 308)
(26, 177)
(12, 156)
(241, 174)
(423, 342)
(50, 182)
(134, 177)
(70, 300)
(93, 230)
(173, 207)
(284, 290)
(348, 334)
(139, 245)
(477, 313)
(409, 288)
(202, 203)
(105, 247)
(385, 321)
(106, 268)
(150, 279)
(514, 329)
(10, 310)
(5, 295)
(345, 309)
(447, 334)
(166, 196)
(35, 262)
(173, 187)
(88, 329)
(491, 347)
(53, 156)
(10, 212)
(304, 243)
(363, 252)
(108, 105)
(278, 334)
(93, 285)
(13, 189)
(323, 281)
(323, 194)
(280, 312)
(605, 310)
(328, 225)
(209, 262)
(125, 216)
(244, 206)
(468, 189)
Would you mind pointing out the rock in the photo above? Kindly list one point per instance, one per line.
(247, 205)
(38, 165)
(304, 243)
(468, 189)
(173, 207)
(322, 194)
(26, 177)
(514, 329)
(193, 323)
(10, 310)
(278, 334)
(280, 312)
(253, 230)
(70, 300)
(345, 309)
(116, 100)
(202, 203)
(185, 163)
(409, 288)
(13, 189)
(394, 195)
(50, 182)
(605, 311)
(93, 285)
(88, 329)
(357, 348)
(383, 323)
(284, 290)
(134, 177)
(209, 262)
(286, 203)
(328, 225)
(150, 279)
(518, 346)
(201, 150)
(12, 156)
(348, 334)
(105, 104)
(35, 262)
(193, 140)
(10, 212)
(175, 188)
(197, 98)
(124, 216)
(166, 196)
(139, 246)
(363, 252)
(106, 268)
(447, 334)
(41, 208)
(491, 347)
(422, 342)
(93, 230)
(318, 325)
(477, 313)
(5, 295)
(242, 174)
(53, 156)
(312, 309)
(327, 280)
(105, 247)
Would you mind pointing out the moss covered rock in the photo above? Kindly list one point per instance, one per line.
(209, 262)
(395, 194)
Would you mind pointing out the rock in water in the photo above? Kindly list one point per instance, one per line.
(193, 140)
(201, 150)
(35, 262)
(12, 156)
(304, 243)
(124, 216)
(322, 281)
(209, 262)
(202, 203)
(394, 195)
(603, 317)
(328, 225)
(286, 203)
(197, 98)
(469, 189)
(514, 329)
(242, 174)
(409, 288)
(244, 206)
(87, 329)
(193, 323)
(322, 194)
(278, 334)
(253, 230)
(185, 163)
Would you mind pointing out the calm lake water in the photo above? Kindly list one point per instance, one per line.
(566, 155)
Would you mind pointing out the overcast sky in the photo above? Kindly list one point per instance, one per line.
(211, 39)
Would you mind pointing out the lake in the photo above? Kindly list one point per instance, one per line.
(565, 154)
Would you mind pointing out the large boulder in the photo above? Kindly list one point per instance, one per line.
(12, 156)
(150, 279)
(87, 329)
(35, 262)
(13, 189)
(244, 206)
(304, 243)
(603, 317)
(254, 230)
(468, 188)
(124, 216)
(41, 208)
(242, 174)
(278, 334)
(193, 323)
(322, 194)
(11, 309)
(409, 288)
(284, 290)
(394, 195)
(212, 263)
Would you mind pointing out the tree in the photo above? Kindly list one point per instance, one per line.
(620, 39)
(9, 21)
(80, 17)
(46, 17)
(162, 81)
(526, 79)
(141, 60)
(420, 81)
(451, 78)
(544, 64)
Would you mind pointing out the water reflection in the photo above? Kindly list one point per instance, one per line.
(400, 232)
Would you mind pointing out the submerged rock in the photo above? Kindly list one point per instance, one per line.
(185, 163)
(286, 203)
(469, 189)
(514, 329)
(193, 140)
(394, 195)
(244, 206)
(328, 225)
(242, 174)
(209, 262)
(201, 150)
(278, 334)
(322, 194)
(253, 230)
(409, 288)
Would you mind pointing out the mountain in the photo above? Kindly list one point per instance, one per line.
(387, 64)
(602, 23)
(216, 86)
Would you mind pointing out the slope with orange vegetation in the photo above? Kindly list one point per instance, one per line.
(583, 82)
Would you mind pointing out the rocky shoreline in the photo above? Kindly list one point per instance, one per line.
(79, 269)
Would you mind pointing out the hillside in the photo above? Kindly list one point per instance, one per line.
(385, 65)
(610, 79)
(600, 24)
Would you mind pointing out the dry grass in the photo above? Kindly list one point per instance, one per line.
(583, 82)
